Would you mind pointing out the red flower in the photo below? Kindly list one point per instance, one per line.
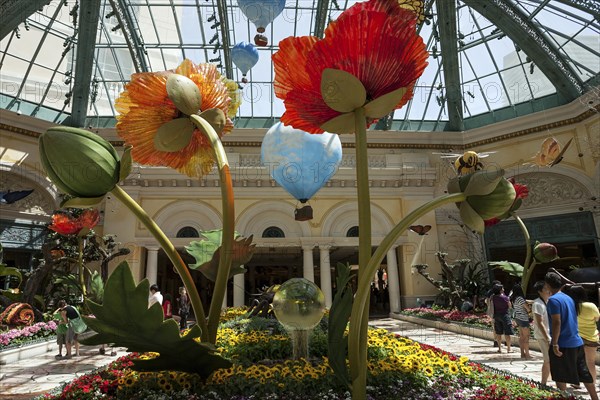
(375, 41)
(65, 224)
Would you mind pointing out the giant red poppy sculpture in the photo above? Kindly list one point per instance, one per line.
(368, 61)
(365, 67)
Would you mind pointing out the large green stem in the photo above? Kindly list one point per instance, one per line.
(81, 243)
(527, 269)
(359, 325)
(171, 252)
(228, 226)
(357, 344)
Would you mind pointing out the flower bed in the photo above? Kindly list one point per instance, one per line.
(482, 320)
(39, 332)
(260, 350)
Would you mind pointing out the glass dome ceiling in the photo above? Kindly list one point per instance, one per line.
(66, 61)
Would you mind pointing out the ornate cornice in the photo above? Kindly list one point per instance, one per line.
(426, 146)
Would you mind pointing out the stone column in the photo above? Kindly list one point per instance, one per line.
(325, 273)
(393, 280)
(238, 290)
(152, 264)
(308, 265)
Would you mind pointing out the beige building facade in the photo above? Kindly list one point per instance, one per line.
(404, 173)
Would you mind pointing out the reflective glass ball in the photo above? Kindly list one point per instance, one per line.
(299, 304)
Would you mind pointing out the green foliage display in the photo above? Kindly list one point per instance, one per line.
(510, 268)
(124, 319)
(339, 315)
(208, 252)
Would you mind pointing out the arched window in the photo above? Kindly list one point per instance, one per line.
(188, 232)
(352, 232)
(273, 232)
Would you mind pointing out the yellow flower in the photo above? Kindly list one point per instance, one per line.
(145, 107)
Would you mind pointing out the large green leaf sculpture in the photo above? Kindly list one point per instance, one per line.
(339, 314)
(125, 320)
(510, 268)
(207, 253)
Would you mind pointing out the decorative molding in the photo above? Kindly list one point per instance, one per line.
(592, 110)
(38, 203)
(550, 189)
(27, 236)
(344, 215)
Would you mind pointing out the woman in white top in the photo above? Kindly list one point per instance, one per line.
(541, 326)
(517, 298)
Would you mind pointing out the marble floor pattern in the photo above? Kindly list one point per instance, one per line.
(34, 376)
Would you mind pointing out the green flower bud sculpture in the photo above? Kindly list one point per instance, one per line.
(488, 193)
(82, 164)
(544, 252)
(299, 305)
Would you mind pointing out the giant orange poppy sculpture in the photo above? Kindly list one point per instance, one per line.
(154, 115)
(365, 67)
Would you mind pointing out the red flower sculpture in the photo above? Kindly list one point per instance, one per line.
(376, 42)
(65, 224)
(522, 193)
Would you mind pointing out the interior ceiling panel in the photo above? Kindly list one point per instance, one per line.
(487, 59)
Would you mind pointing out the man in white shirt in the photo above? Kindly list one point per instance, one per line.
(541, 326)
(155, 296)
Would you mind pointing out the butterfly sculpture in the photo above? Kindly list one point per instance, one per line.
(551, 153)
(420, 229)
(9, 197)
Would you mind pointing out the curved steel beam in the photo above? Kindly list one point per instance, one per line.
(225, 41)
(130, 32)
(506, 16)
(321, 18)
(589, 6)
(14, 12)
(89, 15)
(446, 20)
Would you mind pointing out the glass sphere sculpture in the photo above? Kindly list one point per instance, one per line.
(299, 304)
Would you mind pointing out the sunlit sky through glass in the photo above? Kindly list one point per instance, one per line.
(38, 61)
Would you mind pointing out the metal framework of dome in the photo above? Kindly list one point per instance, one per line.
(67, 60)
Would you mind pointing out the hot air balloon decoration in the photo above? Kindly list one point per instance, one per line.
(261, 13)
(245, 56)
(300, 162)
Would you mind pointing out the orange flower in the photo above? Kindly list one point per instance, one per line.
(145, 106)
(65, 224)
(375, 41)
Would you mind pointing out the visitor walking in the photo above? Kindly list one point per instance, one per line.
(75, 326)
(502, 321)
(541, 326)
(521, 308)
(166, 305)
(587, 317)
(183, 304)
(567, 357)
(155, 296)
(490, 304)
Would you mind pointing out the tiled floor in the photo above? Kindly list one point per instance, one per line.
(479, 350)
(31, 377)
(34, 376)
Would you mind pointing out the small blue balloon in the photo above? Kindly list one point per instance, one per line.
(300, 162)
(245, 56)
(261, 12)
